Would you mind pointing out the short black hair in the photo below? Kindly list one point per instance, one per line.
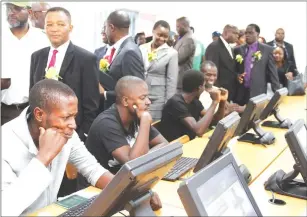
(192, 28)
(119, 19)
(162, 23)
(125, 85)
(255, 26)
(57, 9)
(137, 36)
(184, 20)
(47, 92)
(191, 80)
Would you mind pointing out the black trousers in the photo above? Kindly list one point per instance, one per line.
(9, 112)
(242, 95)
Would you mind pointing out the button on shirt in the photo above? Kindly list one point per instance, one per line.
(27, 184)
(59, 56)
(16, 60)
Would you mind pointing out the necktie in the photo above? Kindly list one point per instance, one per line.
(248, 66)
(53, 59)
(112, 54)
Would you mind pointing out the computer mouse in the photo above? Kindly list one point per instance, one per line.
(246, 174)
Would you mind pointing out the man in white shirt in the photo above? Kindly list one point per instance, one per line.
(20, 40)
(221, 53)
(36, 147)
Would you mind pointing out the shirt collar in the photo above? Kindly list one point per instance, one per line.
(253, 45)
(225, 42)
(30, 30)
(120, 41)
(62, 48)
(275, 44)
(21, 129)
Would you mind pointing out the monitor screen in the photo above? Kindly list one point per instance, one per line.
(224, 195)
(301, 136)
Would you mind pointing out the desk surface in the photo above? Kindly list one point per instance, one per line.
(294, 206)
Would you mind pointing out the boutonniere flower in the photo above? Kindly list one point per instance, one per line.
(51, 73)
(152, 56)
(104, 64)
(257, 55)
(239, 58)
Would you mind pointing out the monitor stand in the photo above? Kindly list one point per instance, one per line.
(141, 206)
(282, 123)
(261, 137)
(286, 184)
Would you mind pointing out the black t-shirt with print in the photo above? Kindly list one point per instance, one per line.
(176, 109)
(108, 134)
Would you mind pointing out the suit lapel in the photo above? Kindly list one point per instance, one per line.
(160, 54)
(43, 61)
(67, 60)
(261, 49)
(120, 49)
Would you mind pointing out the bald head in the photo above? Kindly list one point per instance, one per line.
(280, 35)
(127, 86)
(182, 25)
(230, 33)
(120, 19)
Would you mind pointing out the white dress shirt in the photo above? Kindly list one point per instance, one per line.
(16, 61)
(227, 46)
(206, 100)
(59, 56)
(27, 184)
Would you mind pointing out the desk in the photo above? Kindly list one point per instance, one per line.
(294, 206)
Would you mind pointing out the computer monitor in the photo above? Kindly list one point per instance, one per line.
(131, 187)
(287, 184)
(250, 119)
(217, 144)
(218, 190)
(272, 109)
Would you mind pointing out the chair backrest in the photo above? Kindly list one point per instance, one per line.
(183, 139)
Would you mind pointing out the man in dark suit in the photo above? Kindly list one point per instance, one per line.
(256, 67)
(125, 57)
(185, 45)
(222, 55)
(74, 66)
(279, 42)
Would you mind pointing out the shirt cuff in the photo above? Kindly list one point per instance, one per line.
(99, 171)
(105, 95)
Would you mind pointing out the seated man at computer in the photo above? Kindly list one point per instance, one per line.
(36, 147)
(123, 132)
(183, 114)
(210, 72)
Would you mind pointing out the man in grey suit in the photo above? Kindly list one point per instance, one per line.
(125, 57)
(256, 67)
(185, 45)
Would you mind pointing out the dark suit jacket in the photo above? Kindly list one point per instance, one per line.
(290, 52)
(128, 61)
(100, 53)
(186, 49)
(79, 71)
(263, 71)
(226, 66)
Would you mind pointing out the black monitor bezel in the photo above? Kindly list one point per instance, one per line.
(188, 188)
(114, 196)
(274, 103)
(214, 146)
(248, 117)
(296, 148)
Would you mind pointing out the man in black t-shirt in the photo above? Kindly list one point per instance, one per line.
(183, 114)
(124, 132)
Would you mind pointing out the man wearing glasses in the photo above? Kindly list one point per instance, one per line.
(20, 40)
(39, 10)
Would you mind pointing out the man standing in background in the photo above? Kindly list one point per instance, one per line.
(199, 56)
(39, 10)
(20, 40)
(279, 42)
(185, 45)
(221, 53)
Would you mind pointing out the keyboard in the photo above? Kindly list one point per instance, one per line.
(182, 166)
(79, 209)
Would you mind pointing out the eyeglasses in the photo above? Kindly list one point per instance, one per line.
(14, 8)
(40, 11)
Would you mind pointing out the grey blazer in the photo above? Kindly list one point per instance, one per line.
(161, 77)
(264, 71)
(186, 49)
